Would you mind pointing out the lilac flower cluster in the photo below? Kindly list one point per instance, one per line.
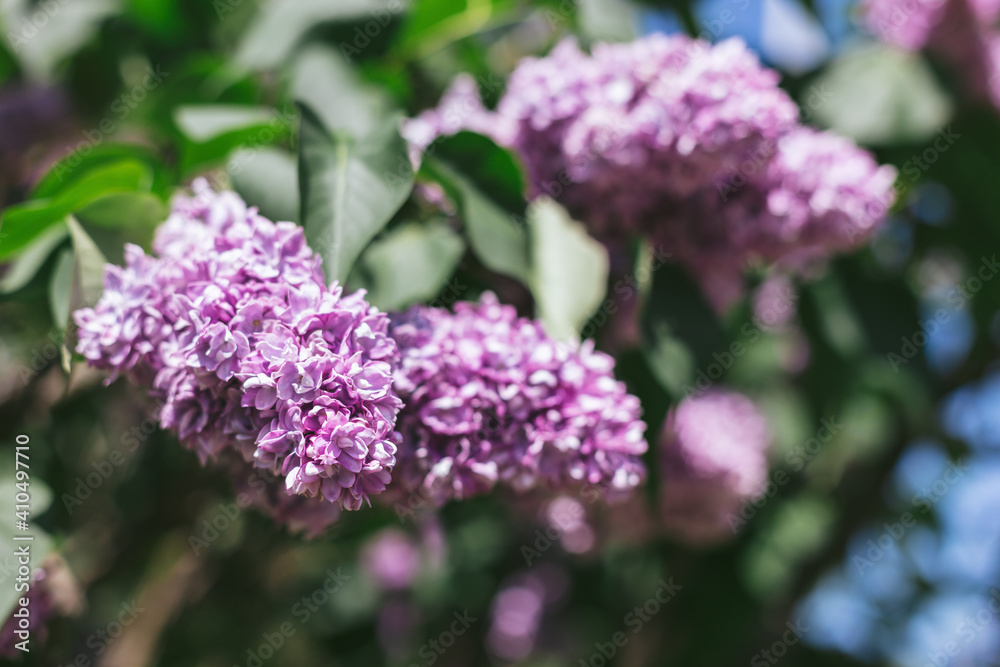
(714, 458)
(490, 399)
(818, 194)
(682, 141)
(245, 349)
(961, 32)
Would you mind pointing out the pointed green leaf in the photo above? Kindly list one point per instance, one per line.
(89, 267)
(61, 288)
(349, 189)
(570, 275)
(268, 179)
(23, 223)
(31, 260)
(498, 240)
(411, 263)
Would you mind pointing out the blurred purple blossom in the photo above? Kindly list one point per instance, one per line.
(714, 458)
(692, 145)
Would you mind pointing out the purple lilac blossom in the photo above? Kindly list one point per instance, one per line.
(657, 137)
(392, 559)
(490, 398)
(714, 459)
(817, 195)
(245, 349)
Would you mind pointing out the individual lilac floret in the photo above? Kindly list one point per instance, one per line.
(491, 398)
(714, 458)
(244, 348)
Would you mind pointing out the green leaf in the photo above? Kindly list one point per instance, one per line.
(434, 25)
(570, 274)
(498, 240)
(680, 330)
(25, 222)
(205, 122)
(31, 260)
(349, 189)
(67, 27)
(411, 263)
(268, 179)
(89, 267)
(214, 133)
(281, 25)
(879, 95)
(495, 170)
(75, 165)
(327, 84)
(604, 20)
(61, 288)
(140, 209)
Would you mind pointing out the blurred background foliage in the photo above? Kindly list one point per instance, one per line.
(109, 105)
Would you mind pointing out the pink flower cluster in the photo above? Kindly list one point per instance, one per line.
(961, 32)
(681, 141)
(490, 399)
(234, 332)
(713, 459)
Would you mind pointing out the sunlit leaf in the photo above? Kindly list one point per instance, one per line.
(280, 25)
(349, 189)
(23, 223)
(31, 260)
(411, 263)
(268, 179)
(879, 95)
(570, 269)
(323, 80)
(498, 240)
